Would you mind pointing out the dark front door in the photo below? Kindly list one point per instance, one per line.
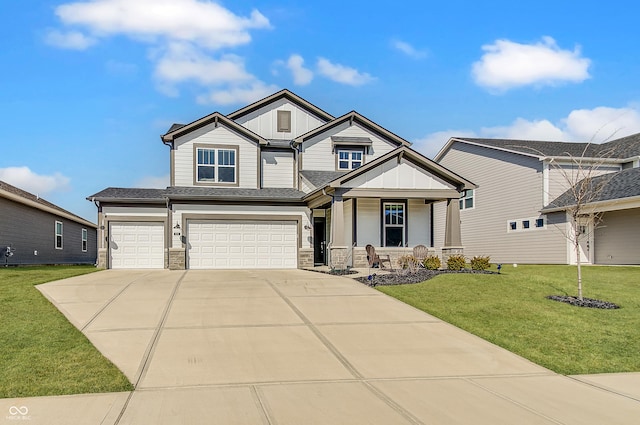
(319, 241)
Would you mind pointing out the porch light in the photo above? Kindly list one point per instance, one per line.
(177, 226)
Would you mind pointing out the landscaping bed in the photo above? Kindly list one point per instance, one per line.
(403, 277)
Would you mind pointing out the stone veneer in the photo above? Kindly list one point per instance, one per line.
(177, 258)
(305, 258)
(102, 258)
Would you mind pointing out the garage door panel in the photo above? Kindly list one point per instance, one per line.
(137, 245)
(242, 244)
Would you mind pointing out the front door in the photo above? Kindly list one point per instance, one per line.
(319, 241)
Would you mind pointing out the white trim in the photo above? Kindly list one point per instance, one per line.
(545, 182)
(462, 199)
(84, 239)
(61, 234)
(350, 160)
(396, 225)
(520, 223)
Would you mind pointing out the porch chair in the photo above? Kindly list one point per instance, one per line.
(375, 259)
(420, 252)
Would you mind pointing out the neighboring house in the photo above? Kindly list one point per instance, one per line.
(39, 232)
(279, 183)
(518, 212)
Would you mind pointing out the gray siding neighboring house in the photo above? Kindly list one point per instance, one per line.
(519, 211)
(40, 232)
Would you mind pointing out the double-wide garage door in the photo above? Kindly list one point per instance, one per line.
(239, 244)
(137, 245)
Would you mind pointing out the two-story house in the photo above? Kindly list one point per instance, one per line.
(280, 183)
(518, 213)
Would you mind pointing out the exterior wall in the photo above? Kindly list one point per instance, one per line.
(617, 238)
(368, 219)
(31, 233)
(348, 221)
(561, 177)
(419, 216)
(263, 121)
(392, 175)
(439, 224)
(317, 152)
(510, 188)
(247, 159)
(277, 169)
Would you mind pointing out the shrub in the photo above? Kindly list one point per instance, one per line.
(432, 262)
(456, 262)
(408, 262)
(480, 262)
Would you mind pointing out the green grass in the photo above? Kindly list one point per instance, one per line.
(41, 353)
(511, 311)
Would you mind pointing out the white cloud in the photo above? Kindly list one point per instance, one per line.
(242, 93)
(408, 49)
(25, 179)
(598, 125)
(72, 40)
(342, 74)
(301, 75)
(154, 182)
(506, 64)
(203, 22)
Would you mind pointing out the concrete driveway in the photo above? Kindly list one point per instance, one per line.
(298, 347)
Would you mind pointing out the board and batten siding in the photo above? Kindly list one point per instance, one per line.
(318, 154)
(617, 238)
(264, 121)
(392, 175)
(510, 187)
(419, 223)
(277, 169)
(247, 159)
(31, 234)
(368, 219)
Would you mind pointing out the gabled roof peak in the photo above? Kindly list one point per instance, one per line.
(282, 94)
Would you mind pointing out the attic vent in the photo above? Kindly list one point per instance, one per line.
(284, 121)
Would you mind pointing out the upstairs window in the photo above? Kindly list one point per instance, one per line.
(284, 121)
(466, 199)
(84, 240)
(58, 235)
(349, 159)
(216, 165)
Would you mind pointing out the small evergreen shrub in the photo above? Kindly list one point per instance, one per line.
(432, 262)
(480, 262)
(456, 262)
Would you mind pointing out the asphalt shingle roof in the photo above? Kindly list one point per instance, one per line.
(619, 185)
(622, 148)
(284, 194)
(129, 193)
(321, 178)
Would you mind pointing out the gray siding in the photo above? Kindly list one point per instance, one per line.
(29, 230)
(617, 238)
(510, 187)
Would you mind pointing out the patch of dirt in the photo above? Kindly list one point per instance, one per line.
(404, 278)
(586, 302)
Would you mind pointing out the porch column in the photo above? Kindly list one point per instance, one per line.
(452, 237)
(337, 221)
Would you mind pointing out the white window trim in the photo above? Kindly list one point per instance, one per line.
(61, 235)
(402, 226)
(532, 224)
(216, 166)
(463, 198)
(350, 160)
(85, 240)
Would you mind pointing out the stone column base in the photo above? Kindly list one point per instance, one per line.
(305, 258)
(102, 258)
(177, 258)
(448, 251)
(338, 257)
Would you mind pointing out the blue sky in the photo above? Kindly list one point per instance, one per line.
(87, 87)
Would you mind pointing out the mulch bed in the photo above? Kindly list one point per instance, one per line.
(399, 278)
(586, 302)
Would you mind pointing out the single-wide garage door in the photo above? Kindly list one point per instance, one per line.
(137, 245)
(239, 244)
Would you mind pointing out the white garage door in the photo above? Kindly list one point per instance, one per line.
(237, 244)
(137, 245)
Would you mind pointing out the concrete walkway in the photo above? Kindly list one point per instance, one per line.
(297, 347)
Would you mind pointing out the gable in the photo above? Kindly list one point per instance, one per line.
(264, 120)
(394, 174)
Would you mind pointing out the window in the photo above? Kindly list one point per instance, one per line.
(393, 224)
(84, 240)
(539, 222)
(284, 121)
(466, 199)
(349, 159)
(58, 235)
(529, 224)
(525, 224)
(215, 165)
(513, 225)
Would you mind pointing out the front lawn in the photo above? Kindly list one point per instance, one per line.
(511, 311)
(41, 353)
